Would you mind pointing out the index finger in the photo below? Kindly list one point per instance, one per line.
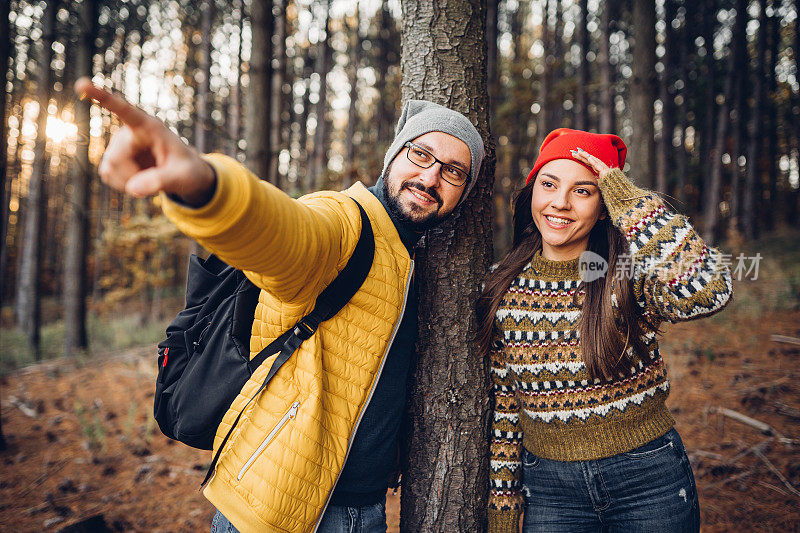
(128, 113)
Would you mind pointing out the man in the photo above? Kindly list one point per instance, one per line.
(316, 449)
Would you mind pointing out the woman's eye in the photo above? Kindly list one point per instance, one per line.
(583, 192)
(547, 184)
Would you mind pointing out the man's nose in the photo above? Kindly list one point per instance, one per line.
(430, 176)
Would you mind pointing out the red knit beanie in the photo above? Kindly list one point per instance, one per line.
(557, 145)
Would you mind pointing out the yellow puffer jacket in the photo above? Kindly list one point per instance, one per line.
(279, 467)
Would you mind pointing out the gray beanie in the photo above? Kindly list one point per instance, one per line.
(420, 117)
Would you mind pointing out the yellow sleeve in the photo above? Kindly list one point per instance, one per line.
(291, 248)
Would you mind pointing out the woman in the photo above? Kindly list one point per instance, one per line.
(581, 438)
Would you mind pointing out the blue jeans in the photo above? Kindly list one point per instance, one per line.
(337, 519)
(650, 488)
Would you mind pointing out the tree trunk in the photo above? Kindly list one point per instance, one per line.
(303, 183)
(581, 96)
(492, 60)
(714, 189)
(545, 84)
(665, 151)
(754, 133)
(681, 157)
(445, 484)
(321, 133)
(738, 122)
(607, 123)
(794, 199)
(705, 137)
(384, 115)
(259, 91)
(5, 52)
(770, 207)
(643, 93)
(202, 126)
(556, 57)
(235, 108)
(82, 171)
(278, 78)
(351, 167)
(28, 289)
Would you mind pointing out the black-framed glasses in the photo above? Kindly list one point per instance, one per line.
(424, 159)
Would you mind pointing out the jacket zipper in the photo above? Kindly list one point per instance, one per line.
(290, 414)
(372, 390)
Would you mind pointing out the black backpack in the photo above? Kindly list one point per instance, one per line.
(205, 360)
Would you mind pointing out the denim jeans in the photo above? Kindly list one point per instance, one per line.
(650, 488)
(337, 519)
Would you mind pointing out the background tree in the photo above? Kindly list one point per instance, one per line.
(276, 98)
(82, 172)
(323, 57)
(28, 289)
(643, 93)
(5, 29)
(259, 91)
(446, 473)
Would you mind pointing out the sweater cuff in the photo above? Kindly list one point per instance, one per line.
(505, 521)
(619, 193)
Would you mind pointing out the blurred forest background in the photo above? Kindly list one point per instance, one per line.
(306, 93)
(706, 93)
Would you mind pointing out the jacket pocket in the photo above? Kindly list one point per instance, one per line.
(289, 415)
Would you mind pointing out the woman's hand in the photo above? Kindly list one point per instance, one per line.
(144, 157)
(600, 168)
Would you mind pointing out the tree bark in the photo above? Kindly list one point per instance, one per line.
(607, 122)
(492, 60)
(713, 190)
(385, 116)
(754, 133)
(278, 78)
(643, 93)
(681, 157)
(794, 200)
(235, 108)
(202, 127)
(445, 474)
(321, 133)
(6, 47)
(665, 151)
(303, 183)
(5, 52)
(259, 91)
(545, 83)
(705, 137)
(82, 172)
(581, 96)
(28, 289)
(351, 167)
(770, 208)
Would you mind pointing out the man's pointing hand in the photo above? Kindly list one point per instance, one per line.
(144, 157)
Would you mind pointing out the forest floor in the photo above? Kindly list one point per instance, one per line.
(83, 443)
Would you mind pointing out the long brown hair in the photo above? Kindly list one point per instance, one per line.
(603, 346)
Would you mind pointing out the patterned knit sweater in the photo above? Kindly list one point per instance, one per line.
(544, 397)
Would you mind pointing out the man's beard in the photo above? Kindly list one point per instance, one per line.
(415, 223)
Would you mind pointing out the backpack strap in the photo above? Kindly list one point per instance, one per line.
(328, 304)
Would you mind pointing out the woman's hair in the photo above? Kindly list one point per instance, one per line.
(604, 348)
